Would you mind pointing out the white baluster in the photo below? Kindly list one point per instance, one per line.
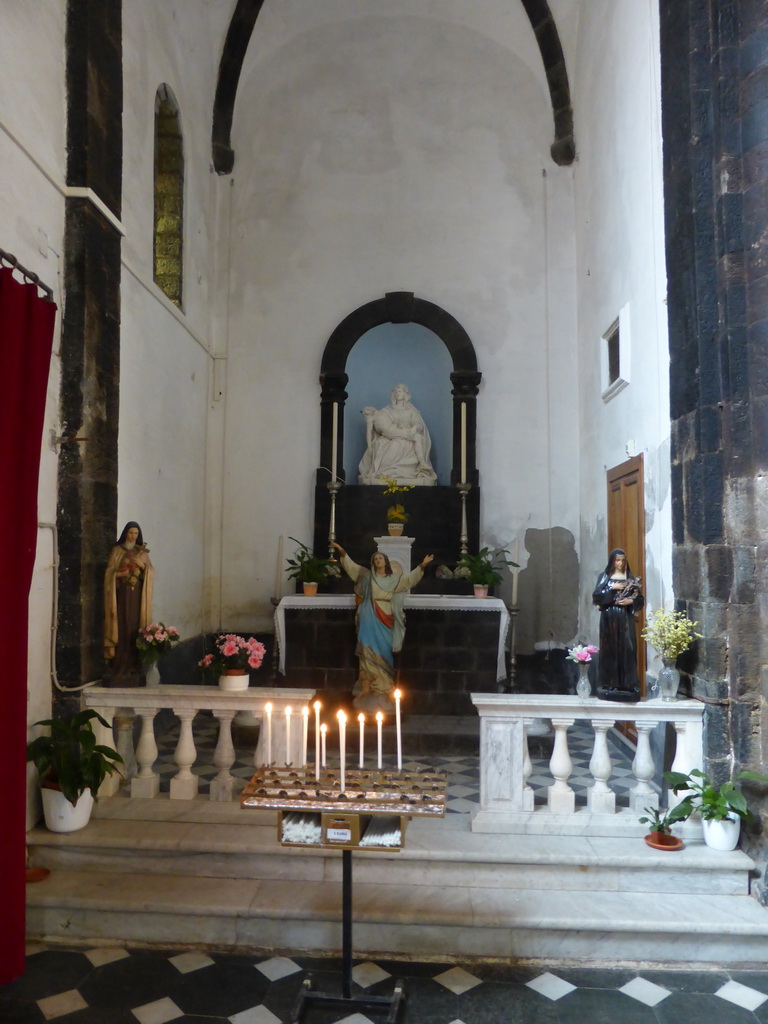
(528, 794)
(223, 786)
(600, 797)
(643, 794)
(147, 782)
(560, 797)
(688, 748)
(105, 737)
(184, 783)
(123, 722)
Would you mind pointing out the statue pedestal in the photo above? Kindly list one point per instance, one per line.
(397, 549)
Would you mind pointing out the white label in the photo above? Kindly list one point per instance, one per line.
(339, 835)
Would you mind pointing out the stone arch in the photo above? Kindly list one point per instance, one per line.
(168, 238)
(241, 27)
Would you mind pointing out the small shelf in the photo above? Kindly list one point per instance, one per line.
(342, 831)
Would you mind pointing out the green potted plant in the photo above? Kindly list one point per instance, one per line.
(671, 634)
(660, 836)
(722, 808)
(72, 767)
(397, 517)
(482, 569)
(310, 569)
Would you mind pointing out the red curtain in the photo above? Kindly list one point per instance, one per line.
(26, 337)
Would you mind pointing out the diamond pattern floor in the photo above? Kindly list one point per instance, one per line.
(124, 986)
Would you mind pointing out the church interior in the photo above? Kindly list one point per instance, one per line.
(495, 274)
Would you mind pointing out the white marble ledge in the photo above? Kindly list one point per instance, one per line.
(212, 698)
(534, 705)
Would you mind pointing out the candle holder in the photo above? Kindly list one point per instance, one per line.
(513, 610)
(334, 486)
(464, 489)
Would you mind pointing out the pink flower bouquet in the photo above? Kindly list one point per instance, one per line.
(581, 653)
(233, 651)
(156, 640)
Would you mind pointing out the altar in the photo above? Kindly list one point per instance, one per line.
(453, 646)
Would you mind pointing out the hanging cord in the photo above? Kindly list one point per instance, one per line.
(28, 275)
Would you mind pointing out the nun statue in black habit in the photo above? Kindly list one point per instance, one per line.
(618, 597)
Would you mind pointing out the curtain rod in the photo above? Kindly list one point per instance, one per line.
(6, 257)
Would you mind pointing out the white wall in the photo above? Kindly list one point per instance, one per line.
(394, 150)
(620, 243)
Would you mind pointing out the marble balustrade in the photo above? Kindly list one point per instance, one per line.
(119, 707)
(506, 799)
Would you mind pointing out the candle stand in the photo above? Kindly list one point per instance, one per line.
(371, 813)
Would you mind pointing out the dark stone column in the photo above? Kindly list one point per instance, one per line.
(90, 348)
(715, 125)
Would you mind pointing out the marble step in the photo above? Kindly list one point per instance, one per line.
(204, 839)
(389, 918)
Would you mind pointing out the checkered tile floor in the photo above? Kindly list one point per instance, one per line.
(126, 986)
(463, 772)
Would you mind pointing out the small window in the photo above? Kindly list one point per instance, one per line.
(614, 363)
(169, 196)
(615, 356)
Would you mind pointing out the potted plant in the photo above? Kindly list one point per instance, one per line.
(722, 808)
(660, 837)
(310, 569)
(397, 517)
(670, 633)
(72, 767)
(153, 643)
(482, 569)
(233, 656)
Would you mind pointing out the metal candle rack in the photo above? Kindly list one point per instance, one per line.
(404, 794)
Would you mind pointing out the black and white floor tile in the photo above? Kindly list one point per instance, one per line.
(463, 771)
(134, 986)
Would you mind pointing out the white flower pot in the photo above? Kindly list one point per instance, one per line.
(722, 835)
(234, 682)
(61, 816)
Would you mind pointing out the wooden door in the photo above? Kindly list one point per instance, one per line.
(626, 529)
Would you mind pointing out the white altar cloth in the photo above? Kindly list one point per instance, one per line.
(415, 601)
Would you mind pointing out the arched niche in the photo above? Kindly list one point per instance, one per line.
(360, 509)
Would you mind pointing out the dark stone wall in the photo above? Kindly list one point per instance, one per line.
(90, 349)
(715, 126)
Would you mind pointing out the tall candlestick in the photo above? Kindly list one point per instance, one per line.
(379, 720)
(342, 743)
(323, 733)
(515, 572)
(361, 720)
(268, 709)
(288, 734)
(334, 441)
(317, 705)
(463, 442)
(305, 717)
(397, 729)
(279, 569)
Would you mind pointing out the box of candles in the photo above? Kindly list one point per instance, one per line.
(345, 831)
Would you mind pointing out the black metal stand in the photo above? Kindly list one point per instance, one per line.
(389, 1003)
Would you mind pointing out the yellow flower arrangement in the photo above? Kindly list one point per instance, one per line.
(670, 633)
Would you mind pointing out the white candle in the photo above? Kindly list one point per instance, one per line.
(305, 717)
(317, 705)
(379, 720)
(334, 440)
(342, 743)
(463, 442)
(279, 569)
(268, 709)
(288, 734)
(323, 731)
(397, 729)
(361, 720)
(515, 572)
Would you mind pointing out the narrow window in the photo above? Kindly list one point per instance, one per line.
(615, 356)
(169, 196)
(612, 341)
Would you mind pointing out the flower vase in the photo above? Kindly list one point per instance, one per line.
(152, 674)
(234, 679)
(583, 687)
(669, 680)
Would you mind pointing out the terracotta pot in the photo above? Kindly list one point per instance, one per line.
(310, 589)
(395, 529)
(663, 841)
(234, 679)
(480, 590)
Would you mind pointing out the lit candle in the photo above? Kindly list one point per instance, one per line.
(323, 731)
(317, 705)
(342, 743)
(334, 440)
(268, 709)
(305, 717)
(463, 442)
(379, 720)
(288, 734)
(515, 572)
(397, 729)
(279, 569)
(361, 720)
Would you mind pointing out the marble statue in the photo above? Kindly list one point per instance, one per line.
(398, 444)
(128, 584)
